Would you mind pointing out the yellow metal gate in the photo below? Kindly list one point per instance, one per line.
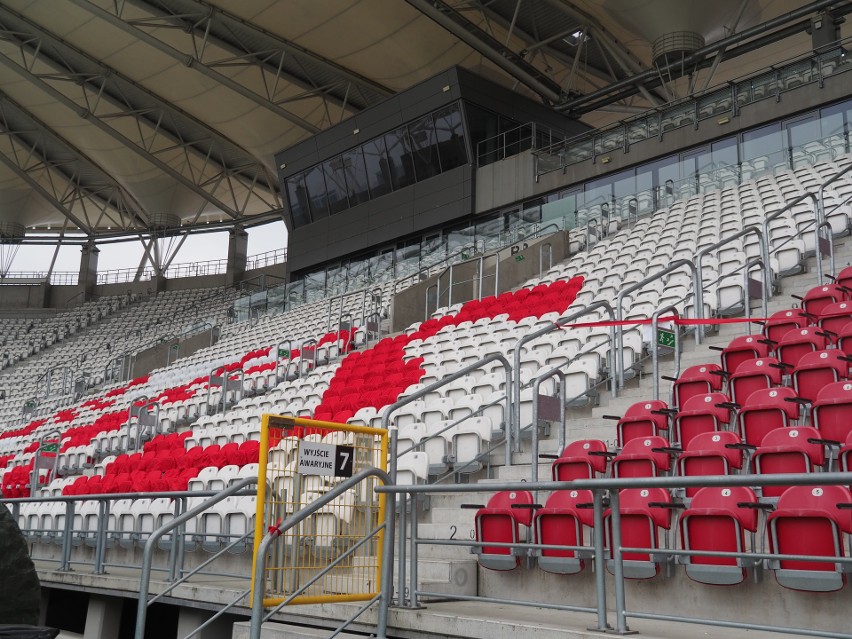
(302, 459)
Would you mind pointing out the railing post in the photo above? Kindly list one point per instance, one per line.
(100, 546)
(600, 561)
(65, 562)
(618, 565)
(386, 592)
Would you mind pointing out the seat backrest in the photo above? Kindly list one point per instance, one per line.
(781, 322)
(696, 380)
(817, 298)
(578, 501)
(636, 500)
(822, 499)
(582, 448)
(794, 439)
(519, 502)
(708, 403)
(716, 498)
(742, 349)
(772, 398)
(644, 448)
(716, 444)
(796, 343)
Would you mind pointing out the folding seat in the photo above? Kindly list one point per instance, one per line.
(436, 445)
(648, 457)
(710, 454)
(843, 340)
(818, 369)
(817, 298)
(752, 375)
(696, 380)
(844, 277)
(742, 349)
(788, 450)
(701, 414)
(717, 520)
(642, 419)
(561, 522)
(797, 343)
(831, 414)
(470, 440)
(412, 468)
(766, 410)
(810, 520)
(581, 459)
(645, 516)
(781, 322)
(833, 317)
(506, 519)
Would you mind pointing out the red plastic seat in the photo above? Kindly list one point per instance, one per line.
(701, 414)
(582, 459)
(818, 369)
(710, 454)
(844, 457)
(766, 410)
(844, 277)
(817, 298)
(742, 349)
(844, 339)
(697, 380)
(642, 419)
(647, 457)
(808, 521)
(500, 522)
(643, 523)
(752, 375)
(834, 317)
(795, 344)
(831, 414)
(788, 450)
(716, 521)
(781, 322)
(560, 523)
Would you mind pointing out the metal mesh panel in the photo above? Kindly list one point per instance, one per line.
(302, 459)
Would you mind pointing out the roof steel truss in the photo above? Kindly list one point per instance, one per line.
(197, 156)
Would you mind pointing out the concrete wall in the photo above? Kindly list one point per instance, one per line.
(23, 296)
(158, 356)
(513, 179)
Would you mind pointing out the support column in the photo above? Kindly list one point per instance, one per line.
(190, 618)
(103, 620)
(237, 253)
(89, 268)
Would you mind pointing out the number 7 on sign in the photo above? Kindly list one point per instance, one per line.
(343, 461)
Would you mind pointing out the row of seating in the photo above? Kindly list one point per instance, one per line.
(807, 521)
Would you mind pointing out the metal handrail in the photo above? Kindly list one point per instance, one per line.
(655, 355)
(147, 555)
(462, 372)
(821, 215)
(613, 486)
(516, 388)
(386, 586)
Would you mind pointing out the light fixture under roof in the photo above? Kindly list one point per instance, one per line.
(573, 39)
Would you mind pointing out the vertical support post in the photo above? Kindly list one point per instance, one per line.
(412, 588)
(618, 569)
(600, 570)
(403, 524)
(100, 545)
(387, 548)
(65, 562)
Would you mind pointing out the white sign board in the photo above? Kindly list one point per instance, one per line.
(325, 459)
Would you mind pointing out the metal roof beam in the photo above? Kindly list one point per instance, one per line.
(31, 132)
(102, 95)
(194, 61)
(490, 48)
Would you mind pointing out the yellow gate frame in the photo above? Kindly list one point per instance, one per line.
(317, 541)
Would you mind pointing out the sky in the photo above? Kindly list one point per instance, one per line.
(196, 248)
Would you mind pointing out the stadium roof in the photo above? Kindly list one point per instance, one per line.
(121, 116)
